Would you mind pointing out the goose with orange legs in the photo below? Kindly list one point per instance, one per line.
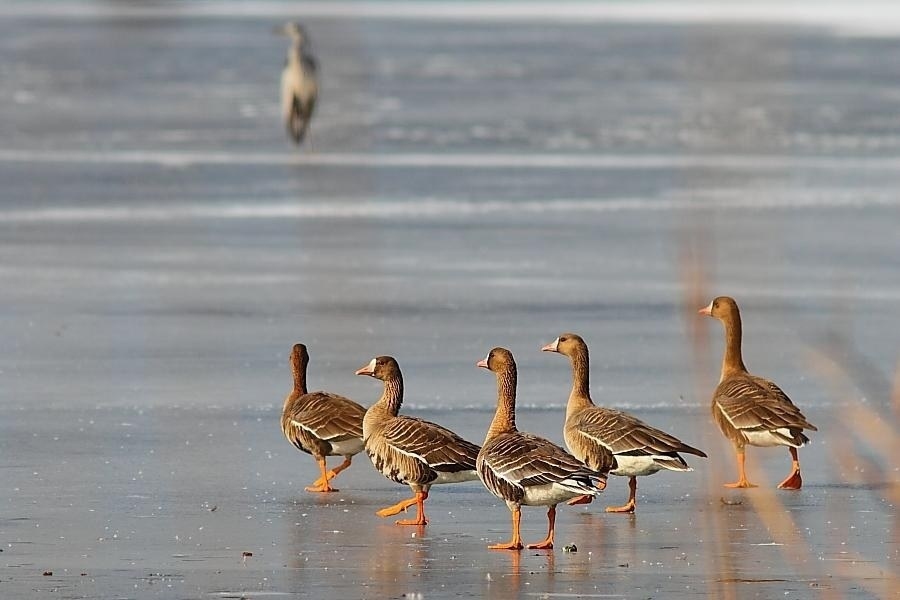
(411, 451)
(320, 423)
(750, 410)
(604, 438)
(524, 469)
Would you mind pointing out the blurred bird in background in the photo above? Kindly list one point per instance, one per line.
(299, 85)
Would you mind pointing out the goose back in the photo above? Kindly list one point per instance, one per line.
(526, 469)
(323, 424)
(753, 410)
(414, 451)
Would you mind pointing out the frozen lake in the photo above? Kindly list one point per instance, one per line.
(474, 181)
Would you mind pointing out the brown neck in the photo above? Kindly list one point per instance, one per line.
(505, 417)
(299, 373)
(580, 396)
(732, 361)
(299, 370)
(392, 397)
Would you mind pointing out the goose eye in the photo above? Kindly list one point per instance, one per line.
(562, 339)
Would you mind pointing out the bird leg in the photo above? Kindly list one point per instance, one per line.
(793, 481)
(632, 499)
(586, 499)
(742, 481)
(548, 543)
(420, 511)
(318, 485)
(516, 542)
(400, 506)
(332, 473)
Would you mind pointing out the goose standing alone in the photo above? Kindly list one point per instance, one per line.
(749, 409)
(412, 451)
(521, 468)
(604, 438)
(320, 423)
(299, 85)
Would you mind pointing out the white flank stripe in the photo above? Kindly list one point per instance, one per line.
(410, 454)
(300, 425)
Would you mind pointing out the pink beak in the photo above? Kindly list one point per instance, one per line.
(551, 347)
(482, 363)
(706, 310)
(369, 369)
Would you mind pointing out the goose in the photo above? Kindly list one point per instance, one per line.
(411, 451)
(750, 410)
(604, 438)
(320, 423)
(524, 469)
(299, 83)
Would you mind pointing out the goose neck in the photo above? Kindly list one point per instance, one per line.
(732, 361)
(505, 417)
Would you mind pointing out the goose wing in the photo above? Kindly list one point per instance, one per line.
(624, 434)
(437, 447)
(329, 417)
(757, 404)
(520, 460)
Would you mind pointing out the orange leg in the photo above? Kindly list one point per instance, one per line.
(333, 473)
(516, 542)
(548, 543)
(586, 499)
(632, 499)
(396, 508)
(420, 511)
(418, 500)
(793, 481)
(742, 481)
(321, 487)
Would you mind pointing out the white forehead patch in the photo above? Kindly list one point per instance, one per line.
(371, 365)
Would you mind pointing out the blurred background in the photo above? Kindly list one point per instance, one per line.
(475, 175)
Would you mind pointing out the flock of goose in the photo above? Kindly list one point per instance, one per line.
(517, 467)
(525, 469)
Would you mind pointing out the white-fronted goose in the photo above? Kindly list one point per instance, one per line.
(409, 450)
(521, 468)
(320, 423)
(749, 409)
(604, 438)
(299, 86)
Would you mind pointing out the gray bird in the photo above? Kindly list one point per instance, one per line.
(299, 85)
